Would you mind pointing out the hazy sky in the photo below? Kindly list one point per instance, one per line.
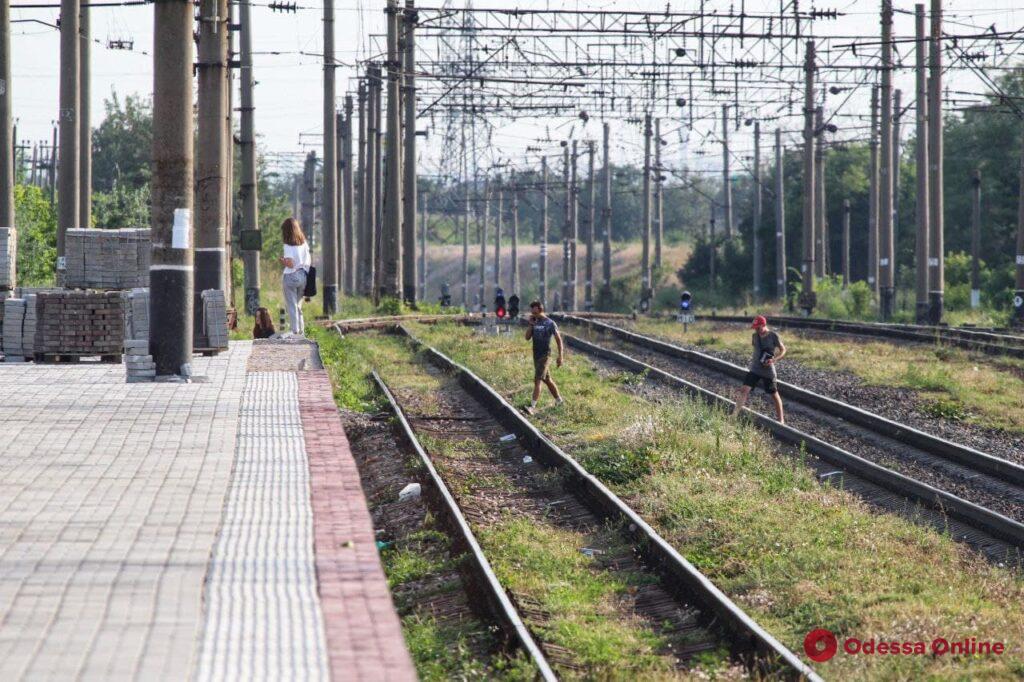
(288, 95)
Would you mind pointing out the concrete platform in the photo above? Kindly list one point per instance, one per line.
(209, 530)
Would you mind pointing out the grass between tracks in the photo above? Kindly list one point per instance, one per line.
(952, 383)
(795, 555)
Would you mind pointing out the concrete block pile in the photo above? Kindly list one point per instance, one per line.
(139, 365)
(14, 318)
(8, 257)
(29, 325)
(137, 313)
(215, 318)
(107, 259)
(82, 323)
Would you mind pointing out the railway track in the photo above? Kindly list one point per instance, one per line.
(990, 342)
(984, 493)
(673, 599)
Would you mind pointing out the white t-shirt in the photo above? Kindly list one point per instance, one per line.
(299, 255)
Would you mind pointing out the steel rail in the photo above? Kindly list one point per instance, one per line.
(660, 555)
(498, 601)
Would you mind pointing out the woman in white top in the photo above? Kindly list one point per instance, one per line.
(296, 262)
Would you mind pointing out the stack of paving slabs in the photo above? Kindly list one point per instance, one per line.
(136, 313)
(139, 365)
(107, 259)
(14, 317)
(215, 318)
(29, 325)
(79, 323)
(8, 257)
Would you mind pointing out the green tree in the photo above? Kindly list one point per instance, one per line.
(37, 236)
(122, 144)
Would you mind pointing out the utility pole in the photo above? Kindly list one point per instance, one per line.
(574, 225)
(515, 236)
(976, 239)
(7, 176)
(499, 217)
(846, 243)
(807, 296)
(936, 236)
(329, 206)
(409, 149)
(659, 204)
(588, 292)
(645, 264)
(379, 227)
(781, 275)
(170, 274)
(606, 219)
(52, 171)
(544, 230)
(306, 209)
(758, 197)
(229, 155)
(481, 233)
(897, 115)
(726, 175)
(347, 199)
(713, 251)
(247, 145)
(365, 234)
(873, 195)
(423, 248)
(391, 282)
(820, 257)
(212, 180)
(70, 142)
(566, 228)
(921, 148)
(465, 214)
(886, 248)
(1018, 293)
(85, 129)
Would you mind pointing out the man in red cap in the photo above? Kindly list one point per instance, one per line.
(768, 350)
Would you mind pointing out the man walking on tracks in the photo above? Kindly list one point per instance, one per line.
(768, 350)
(541, 330)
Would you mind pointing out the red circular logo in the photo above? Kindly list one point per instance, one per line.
(820, 645)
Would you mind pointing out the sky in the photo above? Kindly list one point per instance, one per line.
(288, 97)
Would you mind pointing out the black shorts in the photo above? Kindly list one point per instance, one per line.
(770, 383)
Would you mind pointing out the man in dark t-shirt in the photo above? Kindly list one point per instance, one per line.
(541, 330)
(768, 349)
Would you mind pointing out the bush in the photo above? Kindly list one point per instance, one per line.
(854, 302)
(37, 236)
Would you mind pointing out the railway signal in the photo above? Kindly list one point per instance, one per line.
(685, 315)
(513, 307)
(500, 310)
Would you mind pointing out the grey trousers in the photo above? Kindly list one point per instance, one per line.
(294, 284)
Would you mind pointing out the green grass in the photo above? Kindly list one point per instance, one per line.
(796, 555)
(951, 383)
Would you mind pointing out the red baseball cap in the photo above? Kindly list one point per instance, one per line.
(759, 321)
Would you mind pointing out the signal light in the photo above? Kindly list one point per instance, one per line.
(513, 307)
(685, 301)
(499, 304)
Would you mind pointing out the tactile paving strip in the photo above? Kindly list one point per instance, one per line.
(263, 619)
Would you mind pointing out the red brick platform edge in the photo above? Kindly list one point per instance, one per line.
(364, 635)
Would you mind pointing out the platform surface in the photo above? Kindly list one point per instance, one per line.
(208, 530)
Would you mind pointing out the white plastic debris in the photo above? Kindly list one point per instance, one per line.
(527, 460)
(410, 492)
(508, 438)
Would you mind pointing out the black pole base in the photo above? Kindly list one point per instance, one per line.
(887, 303)
(1017, 317)
(409, 294)
(252, 300)
(922, 312)
(330, 299)
(170, 321)
(936, 305)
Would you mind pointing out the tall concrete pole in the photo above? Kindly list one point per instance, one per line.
(1018, 293)
(758, 208)
(606, 218)
(645, 263)
(588, 292)
(921, 149)
(409, 149)
(873, 195)
(84, 120)
(499, 218)
(886, 248)
(807, 296)
(543, 265)
(247, 147)
(566, 228)
(846, 243)
(659, 204)
(936, 235)
(391, 284)
(897, 153)
(422, 271)
(329, 205)
(211, 181)
(976, 239)
(7, 177)
(726, 175)
(574, 229)
(481, 233)
(780, 220)
(379, 227)
(307, 192)
(364, 233)
(170, 272)
(819, 193)
(515, 236)
(347, 198)
(465, 214)
(70, 131)
(229, 156)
